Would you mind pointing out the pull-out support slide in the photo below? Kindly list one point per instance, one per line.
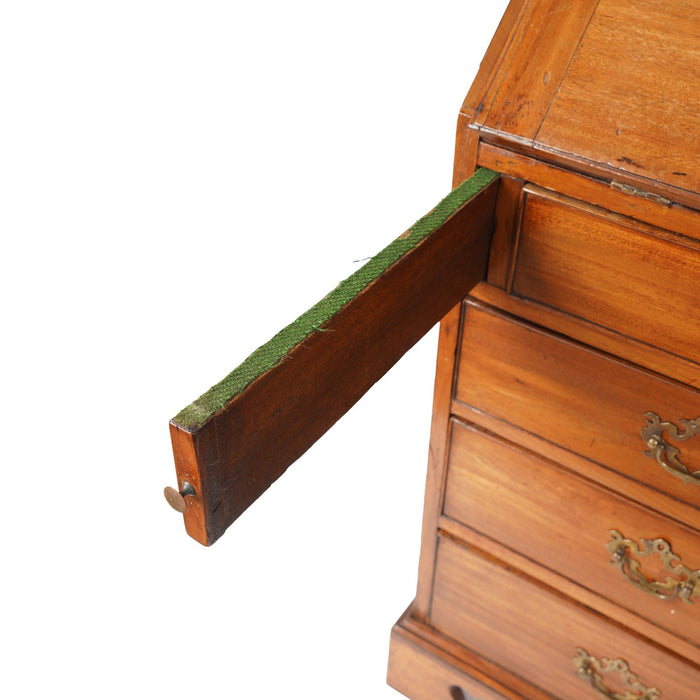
(234, 441)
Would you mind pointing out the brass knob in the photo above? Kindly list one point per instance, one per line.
(176, 498)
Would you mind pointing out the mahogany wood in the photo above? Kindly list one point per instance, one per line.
(584, 401)
(586, 321)
(624, 67)
(583, 98)
(439, 648)
(570, 588)
(442, 398)
(570, 256)
(540, 497)
(604, 87)
(500, 43)
(636, 491)
(467, 141)
(423, 671)
(535, 65)
(535, 632)
(642, 354)
(668, 215)
(508, 215)
(187, 466)
(249, 444)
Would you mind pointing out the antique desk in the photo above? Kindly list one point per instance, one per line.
(561, 550)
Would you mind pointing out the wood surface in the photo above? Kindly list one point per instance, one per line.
(577, 398)
(634, 279)
(635, 490)
(534, 67)
(442, 398)
(437, 648)
(667, 215)
(467, 146)
(244, 448)
(467, 138)
(590, 110)
(540, 497)
(641, 354)
(630, 97)
(508, 216)
(587, 597)
(501, 42)
(602, 87)
(590, 246)
(534, 632)
(424, 672)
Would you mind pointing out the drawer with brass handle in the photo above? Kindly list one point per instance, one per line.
(537, 633)
(581, 400)
(541, 497)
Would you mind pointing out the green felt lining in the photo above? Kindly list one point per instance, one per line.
(194, 416)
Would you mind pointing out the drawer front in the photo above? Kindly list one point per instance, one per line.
(579, 399)
(537, 634)
(630, 278)
(564, 523)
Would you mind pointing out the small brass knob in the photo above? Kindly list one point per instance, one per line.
(176, 498)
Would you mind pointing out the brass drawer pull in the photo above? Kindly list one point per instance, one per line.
(668, 455)
(622, 550)
(591, 669)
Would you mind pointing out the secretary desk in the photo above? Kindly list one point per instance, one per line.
(560, 553)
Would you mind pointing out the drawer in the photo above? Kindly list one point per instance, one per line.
(563, 522)
(628, 277)
(537, 634)
(579, 399)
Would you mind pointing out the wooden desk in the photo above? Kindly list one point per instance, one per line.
(560, 553)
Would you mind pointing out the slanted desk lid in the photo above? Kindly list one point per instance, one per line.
(607, 86)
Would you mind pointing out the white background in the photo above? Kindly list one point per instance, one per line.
(179, 180)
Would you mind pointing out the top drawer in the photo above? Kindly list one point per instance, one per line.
(625, 276)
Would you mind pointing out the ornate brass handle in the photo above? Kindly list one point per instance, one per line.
(621, 552)
(668, 455)
(591, 669)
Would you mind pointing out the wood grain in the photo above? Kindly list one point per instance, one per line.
(534, 66)
(541, 497)
(589, 110)
(574, 397)
(630, 97)
(505, 34)
(569, 588)
(468, 138)
(508, 215)
(442, 397)
(535, 632)
(670, 365)
(602, 87)
(423, 671)
(671, 216)
(473, 670)
(640, 281)
(636, 491)
(244, 448)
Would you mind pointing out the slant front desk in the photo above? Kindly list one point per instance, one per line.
(560, 552)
